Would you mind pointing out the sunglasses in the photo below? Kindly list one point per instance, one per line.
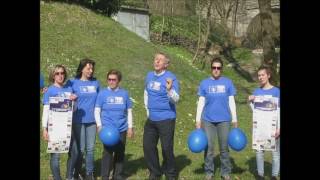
(59, 73)
(113, 80)
(216, 68)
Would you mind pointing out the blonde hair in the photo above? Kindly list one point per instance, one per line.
(54, 70)
(166, 58)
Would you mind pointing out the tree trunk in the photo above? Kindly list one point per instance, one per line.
(235, 19)
(162, 26)
(208, 27)
(199, 34)
(171, 22)
(269, 54)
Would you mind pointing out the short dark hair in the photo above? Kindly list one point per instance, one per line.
(216, 60)
(53, 71)
(115, 72)
(266, 68)
(82, 64)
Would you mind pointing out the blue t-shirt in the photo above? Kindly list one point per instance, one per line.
(54, 91)
(274, 92)
(159, 106)
(86, 92)
(216, 93)
(114, 108)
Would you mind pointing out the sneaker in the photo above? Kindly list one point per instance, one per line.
(260, 177)
(274, 178)
(89, 177)
(209, 177)
(226, 177)
(78, 178)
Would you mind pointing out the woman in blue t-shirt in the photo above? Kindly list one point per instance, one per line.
(86, 87)
(114, 108)
(57, 77)
(216, 109)
(266, 89)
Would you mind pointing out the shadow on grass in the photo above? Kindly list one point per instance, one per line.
(97, 168)
(217, 165)
(132, 166)
(253, 167)
(181, 162)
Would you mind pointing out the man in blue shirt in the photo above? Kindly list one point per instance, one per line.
(160, 96)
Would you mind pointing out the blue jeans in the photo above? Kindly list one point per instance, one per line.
(83, 141)
(275, 160)
(221, 129)
(55, 165)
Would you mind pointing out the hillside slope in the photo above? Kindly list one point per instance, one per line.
(70, 33)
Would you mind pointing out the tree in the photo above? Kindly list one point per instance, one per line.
(224, 8)
(202, 46)
(108, 7)
(269, 54)
(234, 21)
(199, 33)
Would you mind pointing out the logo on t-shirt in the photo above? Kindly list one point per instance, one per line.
(114, 100)
(87, 89)
(64, 94)
(154, 85)
(217, 89)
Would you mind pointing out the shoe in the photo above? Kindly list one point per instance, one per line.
(274, 178)
(78, 178)
(89, 177)
(153, 177)
(209, 177)
(260, 177)
(226, 177)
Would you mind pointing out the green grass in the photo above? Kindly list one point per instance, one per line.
(70, 33)
(185, 26)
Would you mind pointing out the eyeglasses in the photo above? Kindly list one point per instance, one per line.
(114, 80)
(216, 67)
(59, 73)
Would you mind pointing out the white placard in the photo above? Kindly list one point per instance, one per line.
(59, 124)
(265, 118)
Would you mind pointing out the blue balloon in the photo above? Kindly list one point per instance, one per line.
(197, 141)
(41, 81)
(237, 140)
(109, 135)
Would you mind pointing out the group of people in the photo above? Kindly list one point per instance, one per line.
(96, 107)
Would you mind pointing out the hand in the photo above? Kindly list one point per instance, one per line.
(198, 125)
(251, 98)
(73, 97)
(169, 83)
(130, 133)
(99, 128)
(277, 135)
(234, 124)
(44, 90)
(45, 134)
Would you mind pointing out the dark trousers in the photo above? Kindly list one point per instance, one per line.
(113, 158)
(153, 130)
